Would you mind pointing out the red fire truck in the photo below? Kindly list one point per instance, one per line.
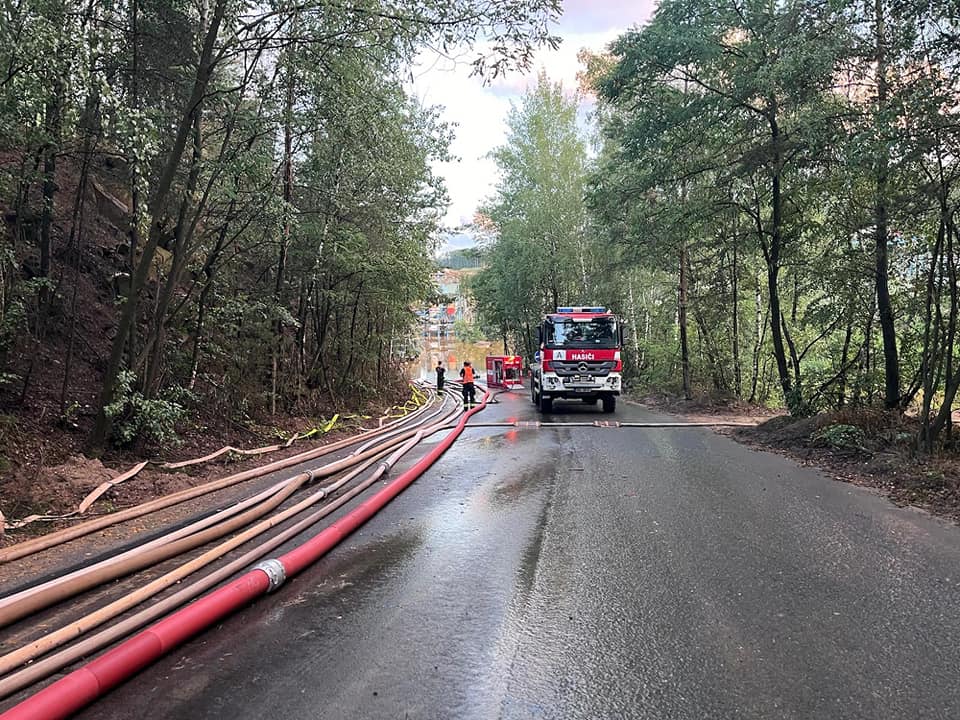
(579, 358)
(505, 371)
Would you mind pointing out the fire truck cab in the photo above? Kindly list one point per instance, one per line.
(579, 358)
(505, 371)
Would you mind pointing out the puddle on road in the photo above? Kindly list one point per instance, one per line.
(364, 568)
(368, 565)
(531, 558)
(522, 483)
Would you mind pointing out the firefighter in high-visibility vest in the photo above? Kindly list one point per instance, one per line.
(469, 393)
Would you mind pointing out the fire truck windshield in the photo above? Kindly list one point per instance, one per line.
(594, 333)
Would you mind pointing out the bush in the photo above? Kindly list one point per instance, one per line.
(137, 417)
(847, 437)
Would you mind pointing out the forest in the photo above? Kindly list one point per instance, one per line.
(220, 205)
(767, 193)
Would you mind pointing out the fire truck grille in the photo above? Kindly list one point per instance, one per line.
(570, 368)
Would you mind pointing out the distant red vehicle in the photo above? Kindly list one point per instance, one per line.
(505, 371)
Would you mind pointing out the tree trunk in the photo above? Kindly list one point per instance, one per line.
(772, 257)
(758, 333)
(682, 322)
(776, 331)
(75, 243)
(285, 237)
(844, 360)
(183, 235)
(135, 199)
(931, 333)
(634, 332)
(157, 202)
(52, 124)
(944, 418)
(884, 305)
(735, 290)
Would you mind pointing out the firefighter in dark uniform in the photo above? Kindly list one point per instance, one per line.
(440, 373)
(469, 393)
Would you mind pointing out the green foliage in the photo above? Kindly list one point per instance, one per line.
(266, 162)
(136, 417)
(765, 143)
(541, 254)
(467, 332)
(848, 437)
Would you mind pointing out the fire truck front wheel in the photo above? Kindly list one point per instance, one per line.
(546, 403)
(609, 403)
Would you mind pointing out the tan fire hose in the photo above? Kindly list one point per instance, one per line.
(46, 643)
(26, 602)
(38, 670)
(45, 542)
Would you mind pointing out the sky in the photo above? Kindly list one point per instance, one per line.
(478, 112)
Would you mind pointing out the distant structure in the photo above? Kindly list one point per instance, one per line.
(449, 283)
(464, 259)
(460, 260)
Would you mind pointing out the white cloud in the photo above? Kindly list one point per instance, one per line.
(480, 111)
(478, 117)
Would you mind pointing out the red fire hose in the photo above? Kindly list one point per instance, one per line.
(84, 685)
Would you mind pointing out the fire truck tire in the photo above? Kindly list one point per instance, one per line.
(546, 404)
(609, 403)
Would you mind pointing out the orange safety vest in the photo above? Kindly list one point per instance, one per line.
(468, 374)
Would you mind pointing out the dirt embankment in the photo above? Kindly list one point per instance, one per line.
(58, 489)
(47, 411)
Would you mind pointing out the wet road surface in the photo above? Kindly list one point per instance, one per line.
(595, 573)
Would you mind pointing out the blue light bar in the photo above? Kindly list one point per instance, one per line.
(566, 310)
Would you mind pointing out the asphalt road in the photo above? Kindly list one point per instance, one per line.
(595, 573)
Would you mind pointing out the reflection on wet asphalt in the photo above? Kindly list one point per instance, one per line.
(583, 573)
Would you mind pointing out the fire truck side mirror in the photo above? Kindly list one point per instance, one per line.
(620, 333)
(539, 335)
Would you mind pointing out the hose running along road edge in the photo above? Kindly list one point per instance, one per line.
(47, 642)
(43, 644)
(25, 602)
(40, 669)
(84, 685)
(44, 542)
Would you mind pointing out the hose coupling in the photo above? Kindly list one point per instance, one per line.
(274, 571)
